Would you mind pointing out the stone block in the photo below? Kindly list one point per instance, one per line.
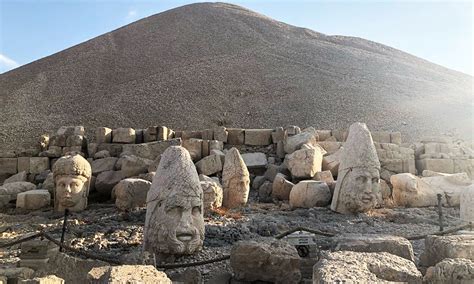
(49, 279)
(432, 148)
(114, 149)
(57, 140)
(131, 193)
(325, 176)
(75, 140)
(127, 274)
(374, 243)
(292, 130)
(293, 143)
(209, 165)
(92, 149)
(212, 195)
(276, 262)
(162, 133)
(278, 134)
(123, 135)
(132, 166)
(396, 138)
(257, 182)
(103, 135)
(340, 134)
(393, 165)
(106, 181)
(205, 148)
(305, 163)
(102, 165)
(235, 136)
(451, 270)
(330, 147)
(309, 194)
(194, 147)
(331, 162)
(188, 134)
(216, 145)
(39, 164)
(256, 160)
(438, 248)
(208, 134)
(8, 166)
(220, 134)
(33, 199)
(258, 137)
(281, 187)
(139, 136)
(436, 165)
(265, 192)
(8, 154)
(149, 150)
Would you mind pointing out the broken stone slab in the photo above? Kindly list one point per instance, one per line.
(194, 147)
(309, 194)
(438, 248)
(374, 243)
(305, 163)
(132, 165)
(106, 181)
(451, 270)
(213, 194)
(33, 199)
(21, 176)
(275, 262)
(363, 267)
(131, 193)
(235, 136)
(103, 135)
(293, 143)
(8, 166)
(127, 274)
(281, 187)
(102, 165)
(209, 165)
(255, 161)
(150, 150)
(235, 180)
(9, 191)
(123, 135)
(258, 137)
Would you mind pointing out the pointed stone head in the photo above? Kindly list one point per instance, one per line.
(174, 222)
(72, 175)
(358, 176)
(235, 180)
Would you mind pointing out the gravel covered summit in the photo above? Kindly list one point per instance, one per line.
(210, 64)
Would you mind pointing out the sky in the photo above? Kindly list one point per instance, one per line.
(441, 32)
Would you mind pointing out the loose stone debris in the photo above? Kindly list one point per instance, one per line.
(143, 204)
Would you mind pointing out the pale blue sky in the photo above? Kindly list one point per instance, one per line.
(441, 32)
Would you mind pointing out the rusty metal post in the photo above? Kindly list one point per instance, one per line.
(66, 211)
(440, 213)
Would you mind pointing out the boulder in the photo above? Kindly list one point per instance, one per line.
(150, 150)
(235, 180)
(131, 193)
(362, 267)
(33, 199)
(255, 161)
(133, 166)
(309, 194)
(293, 143)
(123, 135)
(213, 195)
(127, 274)
(103, 165)
(265, 192)
(258, 137)
(451, 270)
(209, 165)
(375, 243)
(257, 182)
(281, 187)
(102, 154)
(276, 262)
(331, 162)
(103, 135)
(106, 181)
(438, 248)
(305, 163)
(21, 176)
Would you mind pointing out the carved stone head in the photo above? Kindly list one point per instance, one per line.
(358, 179)
(72, 176)
(174, 222)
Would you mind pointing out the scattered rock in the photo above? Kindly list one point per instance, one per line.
(131, 193)
(310, 193)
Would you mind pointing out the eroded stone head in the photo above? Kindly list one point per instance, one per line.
(174, 222)
(358, 182)
(72, 176)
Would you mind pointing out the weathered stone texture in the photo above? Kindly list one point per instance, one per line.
(235, 180)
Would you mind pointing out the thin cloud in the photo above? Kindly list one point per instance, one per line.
(131, 15)
(6, 63)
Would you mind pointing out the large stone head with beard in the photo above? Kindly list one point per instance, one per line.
(72, 175)
(174, 222)
(358, 183)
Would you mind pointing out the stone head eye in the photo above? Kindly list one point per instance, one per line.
(196, 210)
(375, 180)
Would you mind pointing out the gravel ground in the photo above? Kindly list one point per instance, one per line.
(103, 230)
(209, 64)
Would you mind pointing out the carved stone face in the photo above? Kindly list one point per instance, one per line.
(180, 226)
(361, 187)
(71, 192)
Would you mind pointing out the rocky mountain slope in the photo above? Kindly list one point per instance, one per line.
(206, 64)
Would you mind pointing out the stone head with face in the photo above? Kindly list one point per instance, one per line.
(72, 176)
(358, 177)
(174, 222)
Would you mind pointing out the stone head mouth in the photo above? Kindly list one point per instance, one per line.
(184, 237)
